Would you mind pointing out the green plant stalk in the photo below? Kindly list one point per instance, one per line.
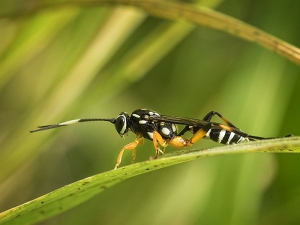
(177, 10)
(76, 193)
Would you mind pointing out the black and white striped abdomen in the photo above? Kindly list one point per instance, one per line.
(225, 137)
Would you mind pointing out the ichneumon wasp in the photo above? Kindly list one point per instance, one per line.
(163, 131)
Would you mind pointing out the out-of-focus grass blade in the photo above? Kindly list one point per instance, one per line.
(145, 55)
(121, 23)
(179, 10)
(36, 34)
(71, 195)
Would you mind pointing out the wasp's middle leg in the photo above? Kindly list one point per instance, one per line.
(139, 140)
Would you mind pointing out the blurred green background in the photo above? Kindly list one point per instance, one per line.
(71, 62)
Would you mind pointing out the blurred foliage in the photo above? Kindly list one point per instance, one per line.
(72, 62)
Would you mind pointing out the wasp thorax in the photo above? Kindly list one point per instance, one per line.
(121, 123)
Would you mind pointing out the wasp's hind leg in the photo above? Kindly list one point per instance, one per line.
(184, 130)
(220, 133)
(200, 133)
(233, 128)
(209, 116)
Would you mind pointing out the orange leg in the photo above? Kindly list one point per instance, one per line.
(139, 140)
(157, 139)
(181, 142)
(202, 132)
(197, 136)
(209, 116)
(226, 127)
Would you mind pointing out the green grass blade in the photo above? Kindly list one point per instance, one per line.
(76, 193)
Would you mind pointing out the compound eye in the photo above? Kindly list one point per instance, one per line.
(121, 124)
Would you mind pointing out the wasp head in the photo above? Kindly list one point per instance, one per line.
(121, 124)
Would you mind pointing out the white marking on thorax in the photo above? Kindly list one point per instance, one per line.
(150, 134)
(174, 128)
(143, 121)
(165, 131)
(136, 115)
(153, 113)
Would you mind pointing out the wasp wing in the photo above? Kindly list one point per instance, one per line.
(178, 120)
(194, 123)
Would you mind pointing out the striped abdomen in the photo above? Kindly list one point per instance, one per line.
(225, 137)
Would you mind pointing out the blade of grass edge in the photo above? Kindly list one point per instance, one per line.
(78, 192)
(179, 10)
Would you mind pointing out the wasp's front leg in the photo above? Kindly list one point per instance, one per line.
(139, 140)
